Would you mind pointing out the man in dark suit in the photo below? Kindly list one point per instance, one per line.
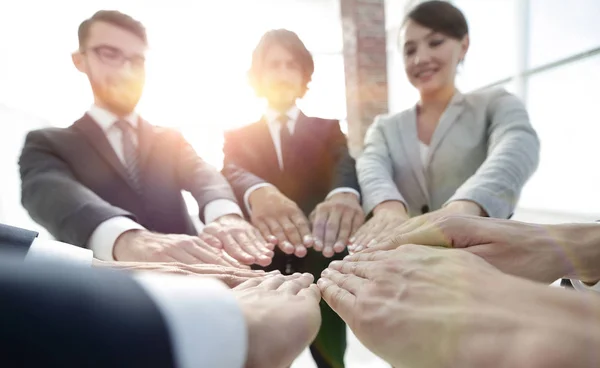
(287, 168)
(112, 182)
(56, 313)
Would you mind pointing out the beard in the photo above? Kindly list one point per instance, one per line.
(119, 96)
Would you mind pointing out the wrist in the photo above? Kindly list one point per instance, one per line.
(464, 208)
(344, 196)
(581, 246)
(395, 207)
(124, 242)
(261, 193)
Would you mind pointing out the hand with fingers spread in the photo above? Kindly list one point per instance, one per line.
(145, 246)
(541, 253)
(407, 225)
(283, 317)
(231, 276)
(387, 216)
(241, 240)
(276, 215)
(335, 221)
(421, 306)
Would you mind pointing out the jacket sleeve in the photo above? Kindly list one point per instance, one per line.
(55, 199)
(513, 156)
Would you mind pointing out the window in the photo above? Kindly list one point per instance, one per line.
(560, 28)
(562, 103)
(493, 33)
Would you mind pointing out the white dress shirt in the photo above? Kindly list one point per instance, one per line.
(103, 238)
(272, 118)
(205, 322)
(44, 250)
(424, 153)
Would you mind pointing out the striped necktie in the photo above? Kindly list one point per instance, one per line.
(130, 152)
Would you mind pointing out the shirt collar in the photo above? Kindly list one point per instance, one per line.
(271, 115)
(106, 119)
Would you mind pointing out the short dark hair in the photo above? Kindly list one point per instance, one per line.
(291, 42)
(440, 16)
(114, 17)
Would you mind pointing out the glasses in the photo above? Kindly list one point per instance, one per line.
(113, 56)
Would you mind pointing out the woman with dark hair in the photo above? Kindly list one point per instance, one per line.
(460, 153)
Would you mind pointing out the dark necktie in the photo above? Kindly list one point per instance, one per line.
(286, 140)
(130, 152)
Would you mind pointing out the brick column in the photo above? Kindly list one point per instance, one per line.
(365, 62)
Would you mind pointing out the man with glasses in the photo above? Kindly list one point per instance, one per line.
(112, 182)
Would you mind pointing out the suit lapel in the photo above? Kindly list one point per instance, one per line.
(145, 141)
(410, 144)
(453, 111)
(97, 139)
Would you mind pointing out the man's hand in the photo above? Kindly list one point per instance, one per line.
(421, 306)
(456, 207)
(541, 253)
(231, 276)
(276, 215)
(283, 318)
(145, 246)
(334, 221)
(241, 240)
(387, 216)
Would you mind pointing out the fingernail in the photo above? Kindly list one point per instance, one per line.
(347, 257)
(325, 272)
(359, 248)
(335, 264)
(308, 239)
(352, 239)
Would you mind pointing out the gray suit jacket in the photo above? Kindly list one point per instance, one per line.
(484, 150)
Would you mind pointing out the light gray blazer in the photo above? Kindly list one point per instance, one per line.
(484, 150)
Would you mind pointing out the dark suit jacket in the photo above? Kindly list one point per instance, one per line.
(60, 316)
(72, 181)
(320, 161)
(16, 241)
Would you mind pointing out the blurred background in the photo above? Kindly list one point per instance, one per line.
(545, 51)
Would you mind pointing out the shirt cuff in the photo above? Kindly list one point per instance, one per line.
(580, 286)
(42, 250)
(220, 207)
(249, 191)
(343, 190)
(202, 316)
(104, 237)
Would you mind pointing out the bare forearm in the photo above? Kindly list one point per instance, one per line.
(530, 325)
(580, 246)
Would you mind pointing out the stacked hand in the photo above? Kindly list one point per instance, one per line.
(420, 306)
(241, 240)
(283, 318)
(390, 220)
(227, 241)
(538, 252)
(231, 276)
(387, 217)
(333, 221)
(145, 246)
